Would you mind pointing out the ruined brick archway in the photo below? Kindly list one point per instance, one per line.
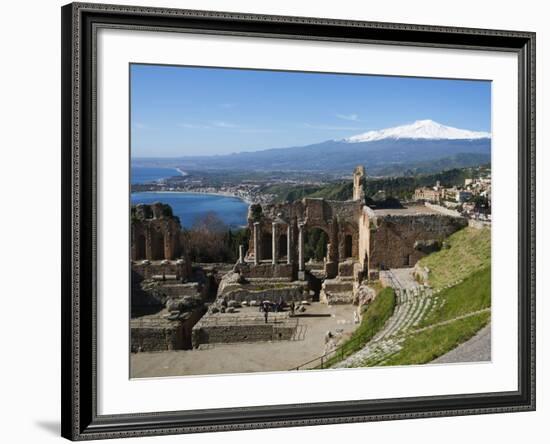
(141, 251)
(157, 244)
(283, 246)
(348, 246)
(266, 249)
(156, 234)
(316, 242)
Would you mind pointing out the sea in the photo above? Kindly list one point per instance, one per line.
(189, 206)
(150, 175)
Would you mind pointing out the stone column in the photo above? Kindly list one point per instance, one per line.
(288, 244)
(256, 243)
(301, 258)
(241, 254)
(274, 243)
(148, 246)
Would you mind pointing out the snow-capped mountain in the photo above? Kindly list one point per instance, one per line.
(423, 146)
(421, 129)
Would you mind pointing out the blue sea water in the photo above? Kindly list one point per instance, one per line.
(190, 206)
(149, 175)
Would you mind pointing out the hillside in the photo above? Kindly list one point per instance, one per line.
(464, 252)
(398, 187)
(427, 323)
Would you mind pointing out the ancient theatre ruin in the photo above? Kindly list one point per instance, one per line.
(179, 306)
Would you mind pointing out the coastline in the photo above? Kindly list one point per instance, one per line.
(213, 193)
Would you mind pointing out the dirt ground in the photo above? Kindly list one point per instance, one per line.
(250, 357)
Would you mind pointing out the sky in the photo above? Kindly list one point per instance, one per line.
(186, 111)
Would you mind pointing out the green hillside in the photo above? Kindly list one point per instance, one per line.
(470, 295)
(429, 323)
(463, 253)
(401, 187)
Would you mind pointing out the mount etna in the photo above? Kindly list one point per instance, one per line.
(421, 147)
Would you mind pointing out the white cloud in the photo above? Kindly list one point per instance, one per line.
(222, 124)
(193, 126)
(331, 127)
(140, 125)
(351, 117)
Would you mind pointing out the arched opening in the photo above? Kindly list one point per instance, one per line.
(282, 246)
(348, 246)
(266, 247)
(140, 247)
(315, 244)
(157, 245)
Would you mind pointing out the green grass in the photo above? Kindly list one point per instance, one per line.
(464, 252)
(428, 345)
(472, 294)
(374, 318)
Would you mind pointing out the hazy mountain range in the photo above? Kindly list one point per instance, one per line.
(423, 146)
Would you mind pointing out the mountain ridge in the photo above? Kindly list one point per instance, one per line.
(387, 154)
(420, 129)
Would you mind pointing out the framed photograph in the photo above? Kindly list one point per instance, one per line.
(281, 221)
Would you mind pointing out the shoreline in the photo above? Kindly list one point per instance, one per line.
(212, 193)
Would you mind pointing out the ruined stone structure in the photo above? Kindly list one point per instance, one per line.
(277, 244)
(167, 299)
(398, 238)
(358, 178)
(362, 240)
(156, 233)
(272, 269)
(220, 328)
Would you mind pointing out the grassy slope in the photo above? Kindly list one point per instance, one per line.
(468, 258)
(427, 345)
(374, 318)
(467, 251)
(472, 294)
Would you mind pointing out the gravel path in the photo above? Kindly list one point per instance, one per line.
(476, 349)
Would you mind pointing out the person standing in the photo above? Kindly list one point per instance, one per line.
(266, 311)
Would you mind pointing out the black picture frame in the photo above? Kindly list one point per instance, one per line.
(79, 396)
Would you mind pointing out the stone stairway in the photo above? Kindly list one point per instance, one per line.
(414, 302)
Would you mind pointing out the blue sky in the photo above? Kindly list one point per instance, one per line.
(181, 111)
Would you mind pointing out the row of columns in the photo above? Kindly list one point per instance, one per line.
(275, 244)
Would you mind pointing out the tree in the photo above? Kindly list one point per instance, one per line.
(211, 240)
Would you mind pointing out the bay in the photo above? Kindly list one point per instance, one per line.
(150, 175)
(191, 206)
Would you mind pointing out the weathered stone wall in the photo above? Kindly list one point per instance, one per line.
(338, 219)
(283, 271)
(286, 293)
(155, 333)
(396, 240)
(232, 288)
(478, 224)
(180, 269)
(155, 233)
(364, 238)
(443, 210)
(161, 337)
(212, 334)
